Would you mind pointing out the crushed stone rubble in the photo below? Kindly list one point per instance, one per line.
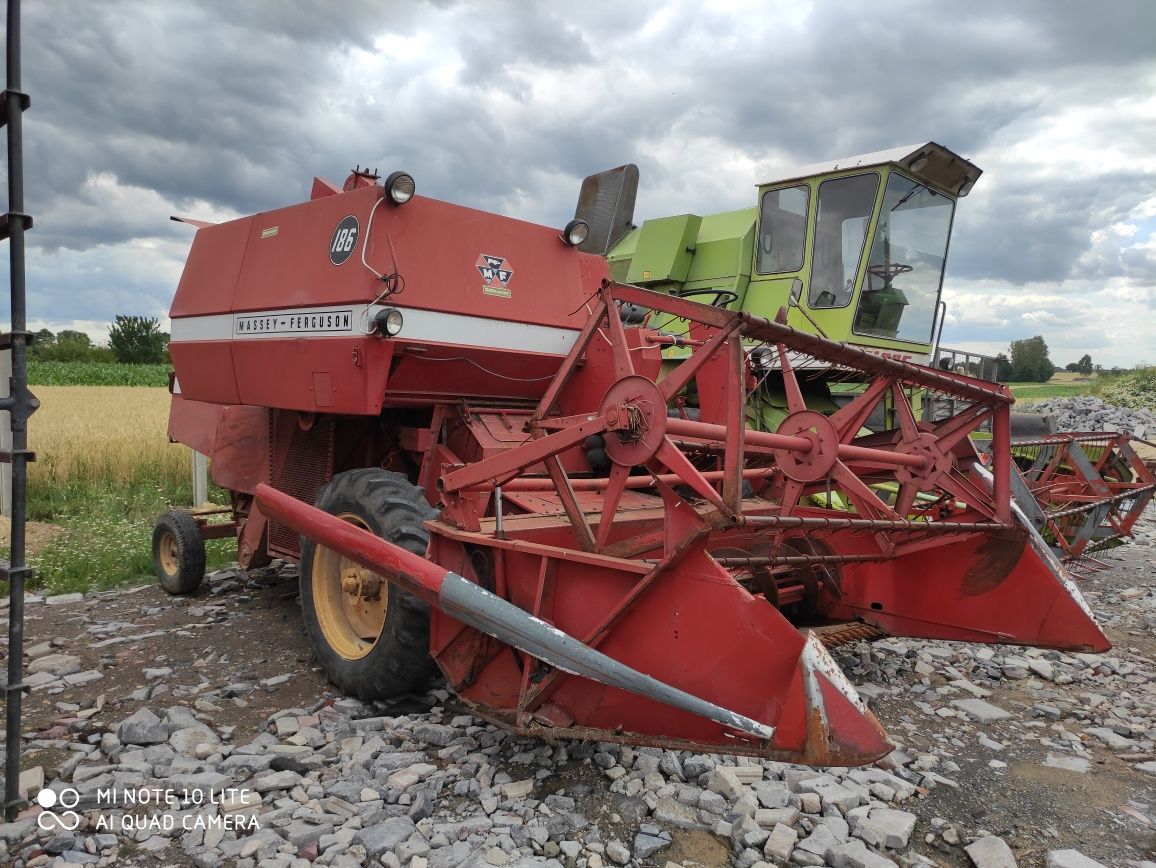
(345, 784)
(1087, 413)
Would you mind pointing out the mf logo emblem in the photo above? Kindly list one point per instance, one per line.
(494, 270)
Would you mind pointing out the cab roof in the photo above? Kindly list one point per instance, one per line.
(930, 163)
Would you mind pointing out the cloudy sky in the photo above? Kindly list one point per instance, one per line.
(218, 109)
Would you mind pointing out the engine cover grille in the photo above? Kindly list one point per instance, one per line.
(300, 463)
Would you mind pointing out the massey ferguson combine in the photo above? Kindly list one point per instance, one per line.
(626, 497)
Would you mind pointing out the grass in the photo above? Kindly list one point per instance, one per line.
(1027, 392)
(104, 471)
(1135, 388)
(96, 374)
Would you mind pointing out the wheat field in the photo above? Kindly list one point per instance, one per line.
(104, 471)
(104, 435)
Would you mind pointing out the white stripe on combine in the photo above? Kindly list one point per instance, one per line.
(426, 326)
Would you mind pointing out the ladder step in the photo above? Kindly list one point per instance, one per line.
(6, 339)
(10, 217)
(25, 102)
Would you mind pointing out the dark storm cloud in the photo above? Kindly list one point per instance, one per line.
(141, 108)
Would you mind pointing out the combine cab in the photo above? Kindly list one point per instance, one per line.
(608, 510)
(854, 249)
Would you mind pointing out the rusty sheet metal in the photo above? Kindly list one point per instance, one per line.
(995, 559)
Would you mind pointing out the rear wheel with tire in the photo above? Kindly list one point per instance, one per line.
(178, 552)
(370, 637)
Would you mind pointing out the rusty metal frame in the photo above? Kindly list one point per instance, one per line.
(553, 435)
(726, 329)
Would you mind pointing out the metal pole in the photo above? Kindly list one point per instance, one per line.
(941, 315)
(1001, 462)
(200, 479)
(23, 404)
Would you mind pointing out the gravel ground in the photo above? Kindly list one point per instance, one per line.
(210, 709)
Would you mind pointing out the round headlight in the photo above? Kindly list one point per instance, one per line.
(389, 321)
(576, 232)
(400, 187)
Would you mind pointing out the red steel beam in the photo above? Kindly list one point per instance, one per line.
(835, 351)
(498, 467)
(688, 428)
(541, 483)
(872, 524)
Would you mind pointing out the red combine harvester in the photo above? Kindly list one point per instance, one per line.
(467, 435)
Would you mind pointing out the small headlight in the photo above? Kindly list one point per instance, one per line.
(388, 321)
(575, 233)
(400, 187)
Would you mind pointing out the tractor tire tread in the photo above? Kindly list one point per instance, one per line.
(191, 552)
(395, 509)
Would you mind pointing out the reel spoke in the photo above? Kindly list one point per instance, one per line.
(904, 413)
(795, 402)
(619, 473)
(673, 458)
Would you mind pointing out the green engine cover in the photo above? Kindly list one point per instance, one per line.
(664, 250)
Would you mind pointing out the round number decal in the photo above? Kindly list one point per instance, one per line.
(344, 240)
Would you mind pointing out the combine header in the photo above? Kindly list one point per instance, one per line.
(1083, 491)
(604, 511)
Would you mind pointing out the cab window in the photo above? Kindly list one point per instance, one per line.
(844, 213)
(905, 271)
(783, 230)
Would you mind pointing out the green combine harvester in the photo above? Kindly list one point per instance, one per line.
(854, 249)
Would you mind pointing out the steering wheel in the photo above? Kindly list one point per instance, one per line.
(888, 271)
(722, 297)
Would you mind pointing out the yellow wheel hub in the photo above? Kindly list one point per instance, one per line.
(350, 601)
(169, 553)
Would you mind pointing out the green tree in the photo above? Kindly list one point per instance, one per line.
(137, 340)
(1003, 368)
(1030, 362)
(42, 344)
(1084, 365)
(74, 346)
(68, 346)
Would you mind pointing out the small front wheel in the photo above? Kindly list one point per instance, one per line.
(178, 552)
